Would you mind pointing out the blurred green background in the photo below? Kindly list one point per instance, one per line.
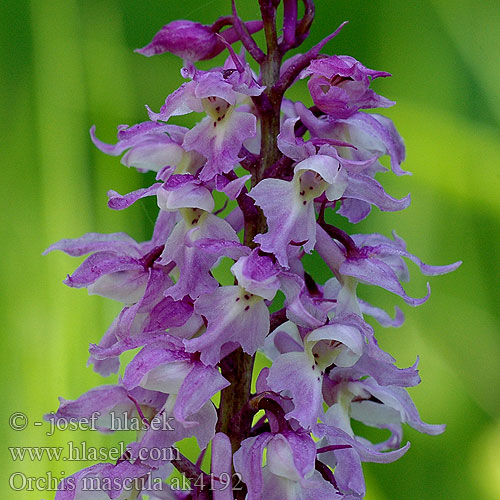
(68, 64)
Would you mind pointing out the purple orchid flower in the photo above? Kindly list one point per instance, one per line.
(237, 315)
(384, 407)
(339, 86)
(120, 267)
(221, 134)
(103, 481)
(289, 205)
(194, 41)
(151, 146)
(289, 471)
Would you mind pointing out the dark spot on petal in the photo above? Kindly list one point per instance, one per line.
(220, 118)
(217, 108)
(226, 73)
(237, 299)
(304, 202)
(314, 367)
(302, 193)
(310, 187)
(247, 308)
(324, 88)
(247, 297)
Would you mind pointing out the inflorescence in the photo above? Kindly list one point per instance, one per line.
(288, 172)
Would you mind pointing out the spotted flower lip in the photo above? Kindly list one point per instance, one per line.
(341, 342)
(257, 274)
(235, 318)
(289, 205)
(221, 134)
(354, 183)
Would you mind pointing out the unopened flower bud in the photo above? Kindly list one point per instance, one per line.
(192, 41)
